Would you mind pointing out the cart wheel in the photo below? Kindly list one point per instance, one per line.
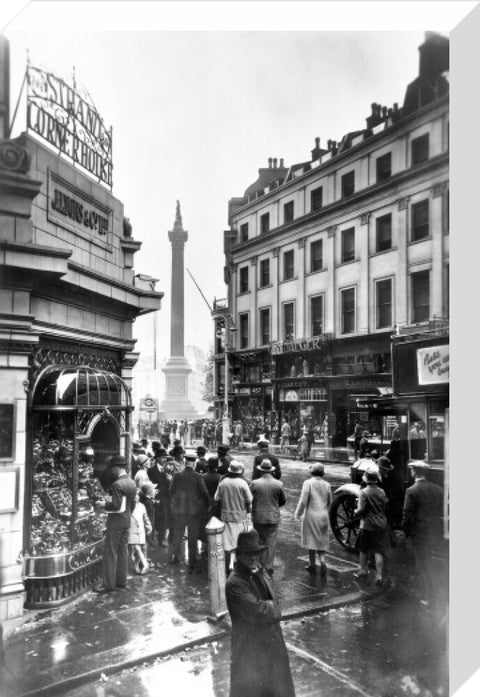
(344, 527)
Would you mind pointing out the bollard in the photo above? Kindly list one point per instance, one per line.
(216, 568)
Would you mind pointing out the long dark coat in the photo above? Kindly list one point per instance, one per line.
(259, 660)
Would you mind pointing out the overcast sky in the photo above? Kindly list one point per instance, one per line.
(196, 113)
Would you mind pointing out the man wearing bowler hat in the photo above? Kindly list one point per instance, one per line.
(264, 453)
(119, 507)
(259, 660)
(268, 496)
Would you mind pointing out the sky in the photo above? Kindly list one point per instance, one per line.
(195, 114)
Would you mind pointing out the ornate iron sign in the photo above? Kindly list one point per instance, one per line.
(64, 115)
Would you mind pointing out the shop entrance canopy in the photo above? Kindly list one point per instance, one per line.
(79, 386)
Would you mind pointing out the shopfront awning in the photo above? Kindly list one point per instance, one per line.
(79, 386)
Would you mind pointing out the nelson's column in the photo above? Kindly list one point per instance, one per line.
(176, 404)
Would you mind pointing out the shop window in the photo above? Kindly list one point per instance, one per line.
(384, 233)
(383, 298)
(420, 220)
(316, 255)
(420, 149)
(288, 212)
(348, 245)
(288, 265)
(264, 273)
(384, 167)
(264, 326)
(243, 279)
(244, 232)
(316, 315)
(417, 434)
(244, 330)
(348, 184)
(265, 223)
(288, 321)
(436, 434)
(420, 285)
(316, 198)
(347, 297)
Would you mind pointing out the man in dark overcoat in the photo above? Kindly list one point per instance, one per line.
(422, 523)
(259, 660)
(265, 454)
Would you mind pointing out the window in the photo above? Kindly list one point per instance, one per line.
(243, 322)
(420, 296)
(348, 184)
(420, 227)
(264, 273)
(288, 319)
(316, 198)
(316, 315)
(384, 304)
(244, 232)
(348, 245)
(264, 326)
(288, 265)
(244, 279)
(288, 212)
(384, 232)
(420, 149)
(384, 167)
(348, 310)
(316, 255)
(265, 222)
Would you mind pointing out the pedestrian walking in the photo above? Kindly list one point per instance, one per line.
(189, 503)
(422, 523)
(201, 464)
(259, 665)
(119, 506)
(212, 479)
(373, 535)
(312, 509)
(161, 479)
(235, 499)
(147, 495)
(357, 436)
(265, 454)
(138, 451)
(141, 475)
(224, 459)
(285, 434)
(140, 527)
(364, 445)
(268, 497)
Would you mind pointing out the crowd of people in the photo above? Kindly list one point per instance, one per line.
(163, 496)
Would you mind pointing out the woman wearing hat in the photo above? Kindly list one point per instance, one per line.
(373, 536)
(235, 499)
(312, 509)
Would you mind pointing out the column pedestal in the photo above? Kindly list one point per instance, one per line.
(176, 404)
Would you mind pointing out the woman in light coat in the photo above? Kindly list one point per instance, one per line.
(235, 501)
(312, 509)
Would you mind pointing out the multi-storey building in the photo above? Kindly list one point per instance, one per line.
(327, 258)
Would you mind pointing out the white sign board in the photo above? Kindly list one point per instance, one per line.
(433, 365)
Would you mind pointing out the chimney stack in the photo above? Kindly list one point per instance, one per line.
(281, 162)
(270, 163)
(274, 163)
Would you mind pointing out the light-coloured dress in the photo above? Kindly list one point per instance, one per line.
(313, 505)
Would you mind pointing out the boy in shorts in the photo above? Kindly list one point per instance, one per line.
(373, 537)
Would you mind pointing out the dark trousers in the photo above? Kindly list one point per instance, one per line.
(193, 523)
(424, 564)
(115, 557)
(268, 533)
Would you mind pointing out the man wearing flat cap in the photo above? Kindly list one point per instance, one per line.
(259, 660)
(422, 522)
(268, 496)
(119, 507)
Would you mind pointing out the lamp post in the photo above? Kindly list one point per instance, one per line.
(229, 329)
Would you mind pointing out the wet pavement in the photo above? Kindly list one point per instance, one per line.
(344, 637)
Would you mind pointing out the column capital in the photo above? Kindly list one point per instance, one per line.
(364, 218)
(301, 243)
(331, 230)
(439, 189)
(403, 203)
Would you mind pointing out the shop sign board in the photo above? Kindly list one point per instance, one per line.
(298, 345)
(433, 365)
(74, 210)
(65, 116)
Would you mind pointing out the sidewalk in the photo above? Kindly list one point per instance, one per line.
(159, 614)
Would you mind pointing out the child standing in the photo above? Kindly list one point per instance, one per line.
(140, 526)
(373, 536)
